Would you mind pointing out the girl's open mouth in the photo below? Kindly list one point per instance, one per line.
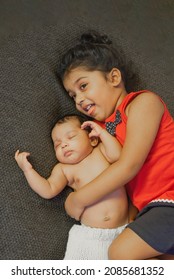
(89, 109)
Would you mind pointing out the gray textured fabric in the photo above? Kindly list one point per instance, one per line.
(32, 99)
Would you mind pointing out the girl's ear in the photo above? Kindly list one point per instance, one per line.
(114, 76)
(94, 141)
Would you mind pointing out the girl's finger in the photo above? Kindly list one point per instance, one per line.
(87, 123)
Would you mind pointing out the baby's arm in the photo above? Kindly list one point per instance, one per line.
(109, 145)
(46, 188)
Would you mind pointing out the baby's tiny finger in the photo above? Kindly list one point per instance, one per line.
(16, 153)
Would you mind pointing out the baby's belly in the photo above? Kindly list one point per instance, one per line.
(110, 212)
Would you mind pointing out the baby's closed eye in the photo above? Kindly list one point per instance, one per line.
(56, 144)
(71, 136)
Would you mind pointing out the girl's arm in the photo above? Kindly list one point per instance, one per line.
(109, 146)
(46, 188)
(144, 117)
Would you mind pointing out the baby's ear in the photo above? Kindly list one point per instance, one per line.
(94, 141)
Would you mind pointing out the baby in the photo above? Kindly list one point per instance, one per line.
(82, 156)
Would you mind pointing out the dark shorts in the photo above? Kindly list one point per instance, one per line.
(155, 225)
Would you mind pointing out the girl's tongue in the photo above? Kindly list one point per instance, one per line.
(91, 110)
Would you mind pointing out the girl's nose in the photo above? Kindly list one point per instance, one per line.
(79, 99)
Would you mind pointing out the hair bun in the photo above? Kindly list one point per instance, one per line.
(94, 37)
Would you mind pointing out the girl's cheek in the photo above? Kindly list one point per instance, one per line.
(78, 107)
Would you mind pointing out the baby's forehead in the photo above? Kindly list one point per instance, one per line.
(71, 123)
(66, 127)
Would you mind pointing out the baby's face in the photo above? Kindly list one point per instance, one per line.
(71, 143)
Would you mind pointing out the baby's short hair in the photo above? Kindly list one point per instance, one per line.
(68, 117)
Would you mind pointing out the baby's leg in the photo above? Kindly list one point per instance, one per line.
(129, 246)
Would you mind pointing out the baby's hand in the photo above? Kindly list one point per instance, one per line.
(96, 129)
(22, 160)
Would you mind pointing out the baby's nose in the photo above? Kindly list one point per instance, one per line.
(64, 145)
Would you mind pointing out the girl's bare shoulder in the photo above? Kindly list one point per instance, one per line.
(147, 101)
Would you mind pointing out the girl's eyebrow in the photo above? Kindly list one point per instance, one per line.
(79, 79)
(74, 83)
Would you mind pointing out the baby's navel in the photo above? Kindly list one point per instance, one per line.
(106, 218)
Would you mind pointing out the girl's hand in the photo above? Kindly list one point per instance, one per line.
(96, 129)
(22, 161)
(72, 208)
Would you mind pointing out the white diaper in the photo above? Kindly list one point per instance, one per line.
(86, 243)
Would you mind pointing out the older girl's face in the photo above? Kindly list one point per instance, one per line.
(93, 93)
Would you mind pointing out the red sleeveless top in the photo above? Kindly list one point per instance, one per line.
(155, 181)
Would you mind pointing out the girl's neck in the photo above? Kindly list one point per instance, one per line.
(122, 94)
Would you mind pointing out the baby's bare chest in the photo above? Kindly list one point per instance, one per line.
(87, 170)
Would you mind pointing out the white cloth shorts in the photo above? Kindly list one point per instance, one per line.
(87, 243)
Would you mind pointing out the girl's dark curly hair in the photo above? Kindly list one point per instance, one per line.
(94, 52)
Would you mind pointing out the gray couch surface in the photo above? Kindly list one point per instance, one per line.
(34, 34)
